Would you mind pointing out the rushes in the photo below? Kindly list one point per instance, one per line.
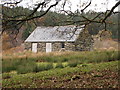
(46, 61)
(43, 66)
(59, 65)
(72, 63)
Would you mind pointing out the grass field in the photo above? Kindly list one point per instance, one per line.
(95, 69)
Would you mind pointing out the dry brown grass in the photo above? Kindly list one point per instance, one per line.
(29, 54)
(108, 45)
(19, 52)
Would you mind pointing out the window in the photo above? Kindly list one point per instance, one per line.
(63, 45)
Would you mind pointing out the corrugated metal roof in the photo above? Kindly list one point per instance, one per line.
(54, 34)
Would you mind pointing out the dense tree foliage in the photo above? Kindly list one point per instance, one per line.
(56, 19)
(112, 25)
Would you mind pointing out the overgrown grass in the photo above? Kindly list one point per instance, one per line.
(29, 80)
(94, 56)
(43, 66)
(73, 63)
(28, 64)
(20, 65)
(59, 65)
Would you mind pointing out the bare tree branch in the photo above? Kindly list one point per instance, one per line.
(35, 10)
(111, 11)
(19, 19)
(86, 6)
(13, 3)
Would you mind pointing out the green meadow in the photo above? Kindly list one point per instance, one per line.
(44, 70)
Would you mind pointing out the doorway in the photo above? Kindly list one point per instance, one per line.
(34, 47)
(48, 47)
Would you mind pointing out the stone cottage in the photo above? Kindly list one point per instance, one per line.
(59, 38)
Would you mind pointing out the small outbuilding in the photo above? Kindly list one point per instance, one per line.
(59, 38)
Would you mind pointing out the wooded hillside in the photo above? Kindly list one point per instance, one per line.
(50, 19)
